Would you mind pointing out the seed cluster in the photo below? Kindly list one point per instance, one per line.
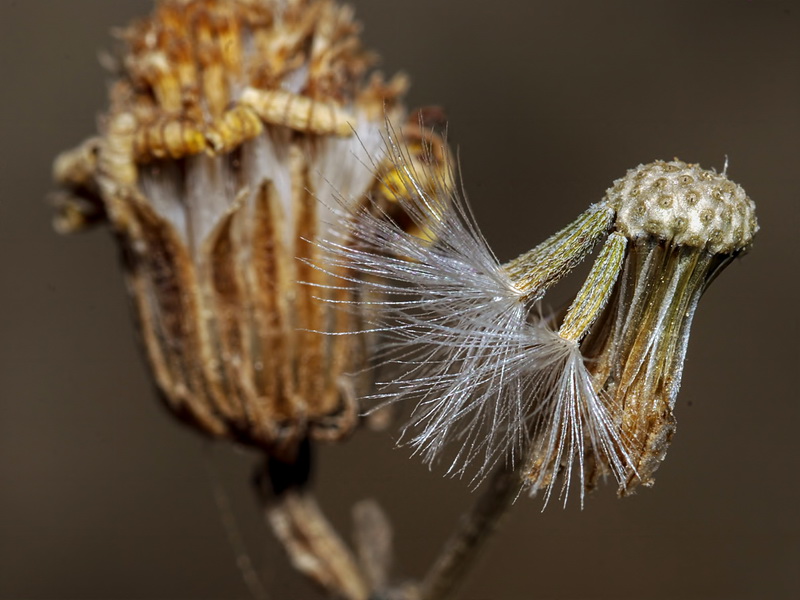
(683, 204)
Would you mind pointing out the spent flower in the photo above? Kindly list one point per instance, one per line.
(586, 392)
(231, 124)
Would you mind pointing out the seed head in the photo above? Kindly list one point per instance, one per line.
(494, 379)
(234, 126)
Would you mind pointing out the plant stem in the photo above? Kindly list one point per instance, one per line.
(473, 530)
(314, 547)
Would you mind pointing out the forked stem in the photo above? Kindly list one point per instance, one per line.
(318, 552)
(474, 529)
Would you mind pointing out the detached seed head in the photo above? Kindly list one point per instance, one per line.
(685, 205)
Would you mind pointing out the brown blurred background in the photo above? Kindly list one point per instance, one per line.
(103, 496)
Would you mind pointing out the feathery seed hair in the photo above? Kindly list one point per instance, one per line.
(492, 378)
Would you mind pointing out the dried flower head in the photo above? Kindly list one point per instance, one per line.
(232, 126)
(590, 391)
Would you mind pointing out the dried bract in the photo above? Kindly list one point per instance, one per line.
(234, 127)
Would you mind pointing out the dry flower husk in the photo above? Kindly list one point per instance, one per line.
(236, 128)
(685, 225)
(676, 226)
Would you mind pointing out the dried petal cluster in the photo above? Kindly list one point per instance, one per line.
(235, 129)
(586, 392)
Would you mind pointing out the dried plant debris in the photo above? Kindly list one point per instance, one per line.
(585, 393)
(234, 127)
(242, 131)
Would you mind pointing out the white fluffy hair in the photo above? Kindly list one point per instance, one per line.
(486, 373)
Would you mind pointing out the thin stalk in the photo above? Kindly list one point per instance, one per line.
(472, 532)
(314, 547)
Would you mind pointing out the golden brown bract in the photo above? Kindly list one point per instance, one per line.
(235, 128)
